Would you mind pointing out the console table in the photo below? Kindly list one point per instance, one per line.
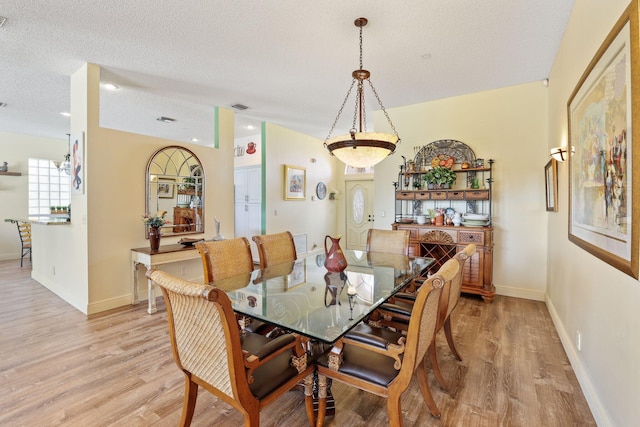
(151, 259)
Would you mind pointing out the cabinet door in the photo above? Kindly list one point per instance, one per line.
(473, 273)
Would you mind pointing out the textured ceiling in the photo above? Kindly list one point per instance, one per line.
(290, 61)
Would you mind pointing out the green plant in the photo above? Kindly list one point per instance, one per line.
(156, 220)
(441, 176)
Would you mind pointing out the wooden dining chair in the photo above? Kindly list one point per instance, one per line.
(248, 371)
(388, 241)
(24, 230)
(225, 258)
(383, 362)
(275, 248)
(398, 313)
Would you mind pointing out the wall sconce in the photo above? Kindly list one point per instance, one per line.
(560, 153)
(333, 194)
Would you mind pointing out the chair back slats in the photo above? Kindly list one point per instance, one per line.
(24, 229)
(225, 258)
(388, 241)
(275, 248)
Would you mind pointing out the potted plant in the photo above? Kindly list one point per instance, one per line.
(441, 177)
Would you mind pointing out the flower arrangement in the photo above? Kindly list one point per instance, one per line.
(155, 221)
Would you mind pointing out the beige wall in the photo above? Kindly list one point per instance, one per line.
(584, 293)
(316, 217)
(92, 256)
(16, 149)
(508, 125)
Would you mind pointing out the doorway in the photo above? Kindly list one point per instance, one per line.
(359, 212)
(248, 203)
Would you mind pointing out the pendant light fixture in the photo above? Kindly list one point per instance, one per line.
(360, 148)
(66, 164)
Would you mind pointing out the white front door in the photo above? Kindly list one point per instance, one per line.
(359, 211)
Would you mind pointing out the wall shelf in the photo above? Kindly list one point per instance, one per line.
(11, 173)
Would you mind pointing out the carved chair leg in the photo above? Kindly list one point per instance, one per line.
(435, 365)
(423, 381)
(189, 401)
(449, 335)
(308, 399)
(322, 399)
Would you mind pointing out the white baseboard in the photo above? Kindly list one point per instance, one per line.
(520, 293)
(597, 409)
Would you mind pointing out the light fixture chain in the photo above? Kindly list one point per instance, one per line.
(339, 112)
(373, 89)
(361, 48)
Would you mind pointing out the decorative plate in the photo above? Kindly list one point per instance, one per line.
(321, 190)
(442, 160)
(449, 213)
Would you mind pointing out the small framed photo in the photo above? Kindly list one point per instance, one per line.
(321, 190)
(551, 185)
(295, 181)
(165, 188)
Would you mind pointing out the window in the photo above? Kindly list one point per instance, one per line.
(47, 187)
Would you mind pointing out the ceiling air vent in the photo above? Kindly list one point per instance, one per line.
(165, 119)
(239, 107)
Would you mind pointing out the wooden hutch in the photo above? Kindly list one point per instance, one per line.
(444, 241)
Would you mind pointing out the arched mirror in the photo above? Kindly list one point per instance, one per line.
(175, 184)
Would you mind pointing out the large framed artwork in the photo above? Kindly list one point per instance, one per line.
(604, 170)
(295, 181)
(551, 185)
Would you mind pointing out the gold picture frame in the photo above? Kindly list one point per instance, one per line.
(604, 175)
(295, 182)
(551, 185)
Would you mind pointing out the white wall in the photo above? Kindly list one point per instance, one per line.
(251, 158)
(316, 217)
(508, 125)
(15, 149)
(584, 293)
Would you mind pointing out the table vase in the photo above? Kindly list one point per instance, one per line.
(154, 238)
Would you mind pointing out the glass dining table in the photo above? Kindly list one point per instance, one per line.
(303, 297)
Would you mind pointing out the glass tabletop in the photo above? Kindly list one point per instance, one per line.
(304, 297)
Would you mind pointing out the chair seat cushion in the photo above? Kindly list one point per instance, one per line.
(398, 307)
(378, 337)
(365, 365)
(272, 374)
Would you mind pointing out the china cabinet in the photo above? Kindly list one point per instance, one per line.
(470, 198)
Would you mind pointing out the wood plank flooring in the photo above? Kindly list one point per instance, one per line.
(60, 368)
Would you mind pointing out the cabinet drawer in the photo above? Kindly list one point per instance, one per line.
(438, 195)
(476, 237)
(404, 195)
(477, 194)
(422, 195)
(455, 195)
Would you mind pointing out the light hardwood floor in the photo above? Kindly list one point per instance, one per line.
(58, 367)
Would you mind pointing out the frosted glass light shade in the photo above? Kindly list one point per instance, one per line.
(365, 149)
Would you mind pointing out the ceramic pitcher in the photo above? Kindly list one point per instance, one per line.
(335, 262)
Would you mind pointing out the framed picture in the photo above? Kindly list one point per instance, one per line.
(165, 188)
(295, 181)
(77, 163)
(551, 185)
(321, 190)
(604, 170)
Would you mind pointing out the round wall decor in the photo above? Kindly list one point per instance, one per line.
(321, 190)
